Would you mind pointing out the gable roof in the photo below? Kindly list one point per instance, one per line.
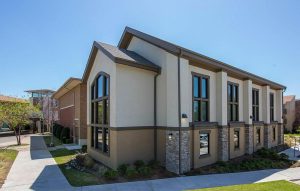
(288, 98)
(66, 87)
(120, 56)
(194, 57)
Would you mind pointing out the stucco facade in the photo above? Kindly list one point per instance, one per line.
(152, 113)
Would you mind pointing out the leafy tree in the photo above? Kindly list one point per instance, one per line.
(17, 114)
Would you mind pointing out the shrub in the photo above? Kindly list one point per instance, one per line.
(284, 156)
(131, 173)
(65, 134)
(154, 164)
(58, 131)
(268, 153)
(84, 148)
(111, 174)
(144, 171)
(122, 169)
(88, 162)
(80, 159)
(68, 141)
(138, 164)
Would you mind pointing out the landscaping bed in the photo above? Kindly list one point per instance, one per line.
(81, 170)
(7, 157)
(281, 185)
(262, 159)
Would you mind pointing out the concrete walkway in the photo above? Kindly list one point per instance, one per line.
(35, 169)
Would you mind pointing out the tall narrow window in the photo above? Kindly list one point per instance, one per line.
(258, 136)
(271, 106)
(204, 143)
(233, 102)
(274, 133)
(255, 105)
(100, 113)
(236, 139)
(200, 98)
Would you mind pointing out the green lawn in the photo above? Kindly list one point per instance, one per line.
(267, 186)
(56, 141)
(75, 177)
(7, 157)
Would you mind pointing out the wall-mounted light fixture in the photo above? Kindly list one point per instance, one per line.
(251, 117)
(184, 116)
(170, 136)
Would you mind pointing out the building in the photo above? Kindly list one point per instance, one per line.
(42, 98)
(71, 107)
(291, 112)
(150, 99)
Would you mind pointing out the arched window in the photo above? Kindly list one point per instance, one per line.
(100, 112)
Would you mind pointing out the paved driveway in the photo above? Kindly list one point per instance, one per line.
(35, 169)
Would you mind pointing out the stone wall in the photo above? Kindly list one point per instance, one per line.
(280, 134)
(249, 139)
(223, 150)
(267, 136)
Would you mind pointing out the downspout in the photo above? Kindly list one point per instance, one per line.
(179, 109)
(155, 116)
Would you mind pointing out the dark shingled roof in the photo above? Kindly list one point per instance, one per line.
(120, 56)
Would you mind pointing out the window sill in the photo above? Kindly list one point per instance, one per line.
(236, 123)
(204, 156)
(204, 124)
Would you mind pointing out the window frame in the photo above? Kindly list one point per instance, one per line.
(200, 99)
(255, 105)
(272, 101)
(208, 142)
(231, 102)
(102, 125)
(258, 136)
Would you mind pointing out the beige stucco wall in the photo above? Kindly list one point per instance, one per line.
(200, 161)
(167, 86)
(241, 150)
(290, 114)
(135, 97)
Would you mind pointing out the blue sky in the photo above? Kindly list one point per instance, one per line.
(42, 43)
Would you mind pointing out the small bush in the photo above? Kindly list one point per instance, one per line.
(68, 141)
(80, 159)
(138, 164)
(284, 156)
(65, 134)
(84, 148)
(154, 164)
(122, 169)
(144, 171)
(88, 162)
(111, 174)
(131, 173)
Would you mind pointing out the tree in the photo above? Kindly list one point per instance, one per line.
(17, 114)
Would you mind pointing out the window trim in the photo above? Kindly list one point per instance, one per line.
(229, 103)
(94, 124)
(200, 99)
(255, 105)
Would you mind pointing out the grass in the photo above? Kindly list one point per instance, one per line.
(7, 157)
(56, 141)
(266, 186)
(74, 177)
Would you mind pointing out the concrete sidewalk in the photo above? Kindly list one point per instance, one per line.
(35, 169)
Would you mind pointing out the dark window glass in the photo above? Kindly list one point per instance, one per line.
(100, 86)
(93, 92)
(258, 136)
(255, 105)
(200, 98)
(271, 106)
(204, 143)
(93, 113)
(106, 93)
(92, 136)
(204, 88)
(274, 133)
(196, 111)
(106, 113)
(196, 86)
(204, 110)
(106, 140)
(236, 139)
(99, 138)
(100, 112)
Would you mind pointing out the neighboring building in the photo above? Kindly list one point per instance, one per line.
(150, 99)
(42, 98)
(71, 98)
(291, 112)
